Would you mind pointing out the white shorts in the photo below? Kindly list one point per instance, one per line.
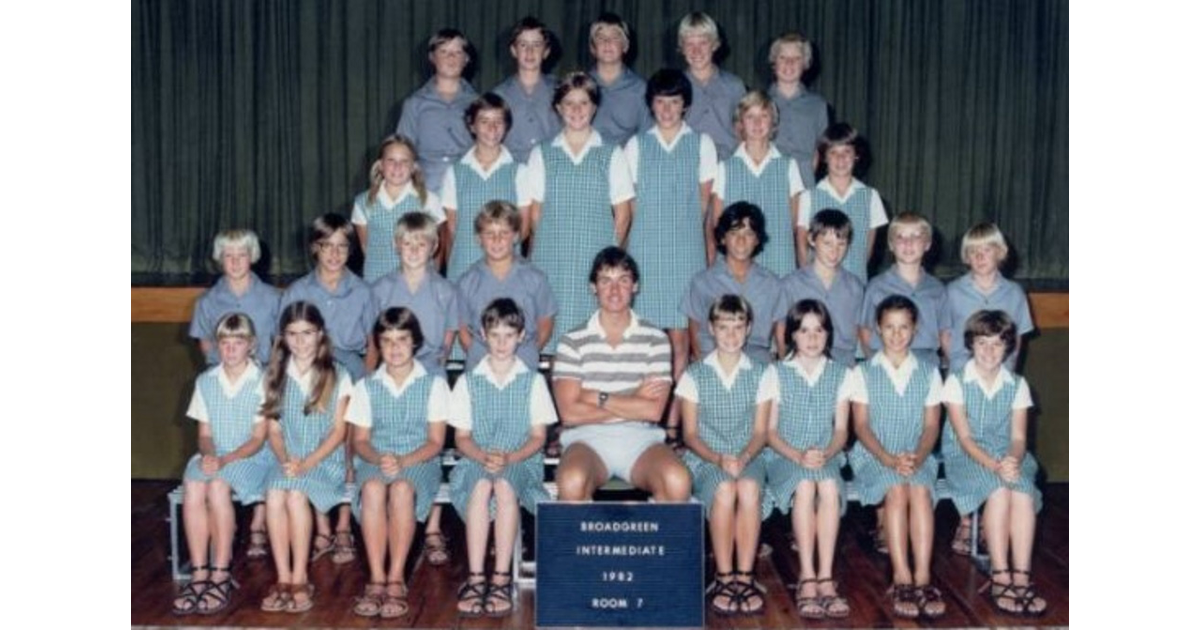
(618, 445)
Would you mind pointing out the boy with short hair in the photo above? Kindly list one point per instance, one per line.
(529, 92)
(715, 92)
(909, 239)
(622, 111)
(826, 281)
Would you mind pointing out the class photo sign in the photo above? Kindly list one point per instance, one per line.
(620, 565)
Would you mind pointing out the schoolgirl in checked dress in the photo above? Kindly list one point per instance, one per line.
(726, 399)
(581, 192)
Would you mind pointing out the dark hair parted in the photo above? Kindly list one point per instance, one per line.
(991, 324)
(281, 355)
(739, 215)
(795, 317)
(613, 257)
(502, 312)
(669, 82)
(577, 81)
(830, 220)
(895, 303)
(487, 102)
(399, 318)
(732, 307)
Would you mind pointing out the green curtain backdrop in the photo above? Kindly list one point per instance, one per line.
(265, 114)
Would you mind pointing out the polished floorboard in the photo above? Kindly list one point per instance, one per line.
(863, 575)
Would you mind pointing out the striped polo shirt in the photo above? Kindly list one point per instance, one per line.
(584, 354)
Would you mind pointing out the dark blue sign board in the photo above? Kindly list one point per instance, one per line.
(620, 565)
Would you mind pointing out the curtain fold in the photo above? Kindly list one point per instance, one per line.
(265, 114)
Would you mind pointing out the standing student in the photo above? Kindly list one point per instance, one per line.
(433, 115)
(896, 416)
(399, 415)
(909, 238)
(621, 109)
(486, 173)
(225, 406)
(726, 399)
(397, 187)
(803, 114)
(612, 378)
(715, 92)
(839, 150)
(987, 457)
(529, 92)
(238, 290)
(305, 402)
(740, 234)
(807, 429)
(758, 173)
(500, 410)
(581, 191)
(673, 167)
(827, 281)
(501, 273)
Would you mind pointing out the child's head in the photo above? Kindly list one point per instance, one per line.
(909, 237)
(331, 240)
(498, 226)
(808, 329)
(613, 257)
(741, 220)
(995, 326)
(449, 52)
(698, 39)
(839, 148)
(756, 117)
(488, 118)
(790, 56)
(235, 338)
(608, 38)
(829, 234)
(730, 306)
(729, 321)
(416, 238)
(575, 99)
(984, 249)
(530, 43)
(503, 326)
(301, 338)
(668, 86)
(896, 317)
(397, 165)
(398, 325)
(235, 250)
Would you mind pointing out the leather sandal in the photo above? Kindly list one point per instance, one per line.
(218, 592)
(500, 597)
(187, 602)
(810, 606)
(474, 594)
(835, 606)
(394, 605)
(371, 601)
(723, 585)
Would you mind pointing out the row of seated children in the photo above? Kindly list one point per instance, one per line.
(734, 407)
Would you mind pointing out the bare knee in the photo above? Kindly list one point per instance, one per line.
(574, 483)
(675, 482)
(748, 491)
(725, 496)
(504, 491)
(219, 490)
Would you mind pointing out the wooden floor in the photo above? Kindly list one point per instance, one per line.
(862, 572)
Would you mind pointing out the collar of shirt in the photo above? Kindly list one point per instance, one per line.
(776, 95)
(825, 185)
(381, 375)
(772, 154)
(971, 375)
(232, 387)
(223, 283)
(684, 130)
(794, 363)
(898, 280)
(594, 327)
(594, 140)
(469, 160)
(343, 284)
(722, 267)
(626, 79)
(484, 369)
(713, 361)
(388, 202)
(305, 381)
(429, 91)
(899, 375)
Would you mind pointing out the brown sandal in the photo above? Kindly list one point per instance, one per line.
(371, 601)
(343, 547)
(394, 605)
(903, 596)
(277, 598)
(835, 606)
(809, 607)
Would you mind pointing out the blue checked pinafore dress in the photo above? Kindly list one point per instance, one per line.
(232, 422)
(324, 484)
(858, 209)
(726, 422)
(500, 421)
(380, 257)
(667, 236)
(768, 191)
(897, 421)
(991, 423)
(806, 415)
(576, 223)
(399, 426)
(473, 191)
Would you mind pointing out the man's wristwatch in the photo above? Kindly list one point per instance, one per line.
(601, 399)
